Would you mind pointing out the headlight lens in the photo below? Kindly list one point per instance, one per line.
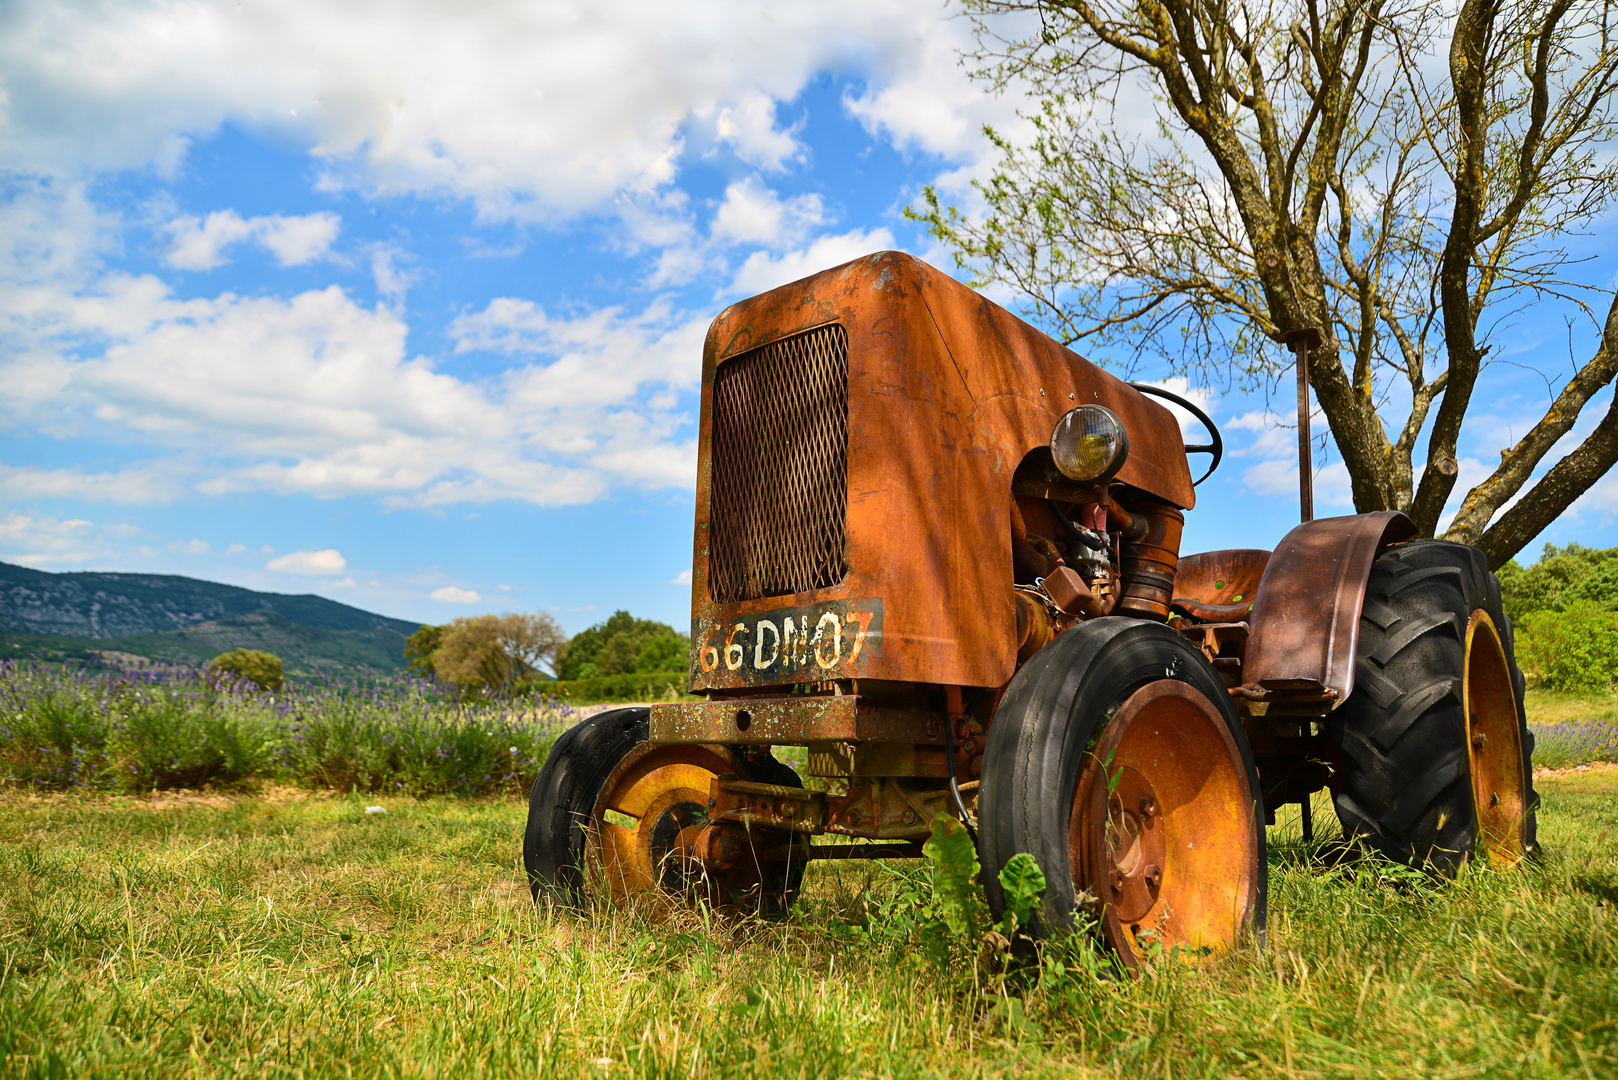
(1090, 444)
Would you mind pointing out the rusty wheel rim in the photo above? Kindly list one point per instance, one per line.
(655, 799)
(1494, 744)
(1162, 833)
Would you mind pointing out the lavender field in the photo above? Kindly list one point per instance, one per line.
(139, 730)
(96, 729)
(1573, 729)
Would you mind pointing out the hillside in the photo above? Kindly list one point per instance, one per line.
(164, 617)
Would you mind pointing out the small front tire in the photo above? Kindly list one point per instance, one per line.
(1117, 760)
(608, 812)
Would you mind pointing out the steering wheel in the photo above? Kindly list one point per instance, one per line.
(1215, 448)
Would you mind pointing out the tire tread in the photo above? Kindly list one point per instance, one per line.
(1404, 783)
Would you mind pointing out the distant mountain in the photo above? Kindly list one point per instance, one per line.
(163, 616)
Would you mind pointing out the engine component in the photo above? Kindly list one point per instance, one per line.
(1148, 564)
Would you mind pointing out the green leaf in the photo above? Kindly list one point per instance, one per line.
(1022, 882)
(955, 876)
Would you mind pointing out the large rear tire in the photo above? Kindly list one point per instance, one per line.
(1436, 755)
(607, 811)
(1117, 760)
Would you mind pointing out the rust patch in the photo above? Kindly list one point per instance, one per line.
(793, 720)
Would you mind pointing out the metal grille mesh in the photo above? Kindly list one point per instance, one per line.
(779, 511)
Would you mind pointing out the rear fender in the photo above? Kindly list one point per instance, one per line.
(1305, 623)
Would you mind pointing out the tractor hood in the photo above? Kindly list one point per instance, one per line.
(859, 433)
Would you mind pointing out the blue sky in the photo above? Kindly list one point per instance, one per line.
(404, 307)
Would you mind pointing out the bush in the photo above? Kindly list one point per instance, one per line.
(1563, 577)
(623, 645)
(262, 669)
(1571, 650)
(419, 649)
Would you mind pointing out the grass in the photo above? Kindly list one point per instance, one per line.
(292, 934)
(281, 931)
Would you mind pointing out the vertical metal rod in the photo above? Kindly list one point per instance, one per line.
(1300, 342)
(1306, 470)
(1308, 821)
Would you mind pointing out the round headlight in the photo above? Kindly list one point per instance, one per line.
(1090, 444)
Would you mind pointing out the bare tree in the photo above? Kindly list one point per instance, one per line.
(497, 650)
(1317, 163)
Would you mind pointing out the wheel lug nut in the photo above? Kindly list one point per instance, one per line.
(1117, 881)
(1153, 876)
(1479, 740)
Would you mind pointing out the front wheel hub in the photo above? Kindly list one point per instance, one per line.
(651, 835)
(1134, 845)
(1163, 831)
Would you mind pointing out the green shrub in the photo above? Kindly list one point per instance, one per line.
(1563, 577)
(262, 669)
(54, 731)
(623, 645)
(1571, 650)
(189, 740)
(419, 649)
(666, 652)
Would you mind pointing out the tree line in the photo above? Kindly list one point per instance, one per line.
(514, 651)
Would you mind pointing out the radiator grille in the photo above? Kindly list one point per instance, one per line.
(778, 519)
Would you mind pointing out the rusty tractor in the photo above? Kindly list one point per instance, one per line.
(941, 553)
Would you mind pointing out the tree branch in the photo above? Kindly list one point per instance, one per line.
(1518, 462)
(1546, 500)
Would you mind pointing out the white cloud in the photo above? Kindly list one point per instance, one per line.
(299, 239)
(40, 540)
(754, 214)
(143, 485)
(315, 393)
(190, 547)
(1276, 446)
(749, 215)
(530, 110)
(923, 99)
(200, 243)
(749, 127)
(309, 563)
(392, 281)
(682, 578)
(762, 271)
(449, 594)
